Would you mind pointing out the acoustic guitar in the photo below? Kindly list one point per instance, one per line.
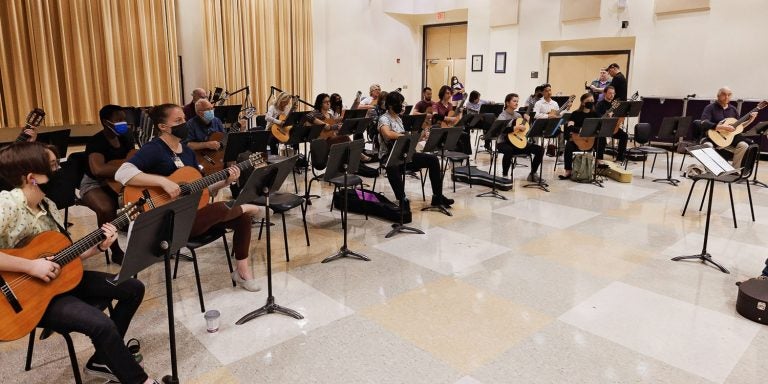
(328, 133)
(619, 123)
(190, 180)
(453, 113)
(586, 143)
(283, 133)
(34, 119)
(724, 138)
(520, 138)
(112, 183)
(212, 160)
(25, 298)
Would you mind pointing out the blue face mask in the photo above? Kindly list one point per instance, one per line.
(208, 115)
(120, 127)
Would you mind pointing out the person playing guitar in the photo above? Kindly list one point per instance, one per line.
(323, 115)
(280, 108)
(715, 113)
(165, 154)
(444, 107)
(586, 110)
(106, 151)
(201, 128)
(26, 212)
(603, 108)
(516, 123)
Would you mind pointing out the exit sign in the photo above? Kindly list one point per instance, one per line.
(441, 16)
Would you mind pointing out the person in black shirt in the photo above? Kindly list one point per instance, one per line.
(721, 109)
(586, 110)
(602, 108)
(618, 81)
(113, 142)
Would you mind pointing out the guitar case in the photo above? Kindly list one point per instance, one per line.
(480, 177)
(752, 300)
(372, 203)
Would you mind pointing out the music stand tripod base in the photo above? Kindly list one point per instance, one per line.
(345, 252)
(269, 307)
(669, 180)
(541, 185)
(705, 258)
(437, 208)
(492, 193)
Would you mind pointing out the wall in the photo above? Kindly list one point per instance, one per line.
(189, 19)
(673, 55)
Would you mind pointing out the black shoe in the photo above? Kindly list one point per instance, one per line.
(99, 370)
(134, 347)
(406, 205)
(447, 201)
(563, 177)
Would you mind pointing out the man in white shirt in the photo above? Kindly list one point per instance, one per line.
(369, 101)
(546, 107)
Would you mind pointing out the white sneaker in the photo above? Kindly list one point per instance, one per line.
(248, 285)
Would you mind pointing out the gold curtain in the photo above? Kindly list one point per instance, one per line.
(259, 43)
(70, 57)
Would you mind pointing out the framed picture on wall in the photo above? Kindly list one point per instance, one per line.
(477, 63)
(501, 62)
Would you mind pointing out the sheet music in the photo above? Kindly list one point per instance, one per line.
(722, 164)
(712, 161)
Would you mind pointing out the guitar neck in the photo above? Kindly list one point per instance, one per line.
(23, 136)
(744, 118)
(67, 255)
(211, 179)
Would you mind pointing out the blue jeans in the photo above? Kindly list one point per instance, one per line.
(74, 311)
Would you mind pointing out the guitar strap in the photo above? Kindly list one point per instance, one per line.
(50, 216)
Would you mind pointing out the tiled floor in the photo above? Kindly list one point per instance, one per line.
(571, 286)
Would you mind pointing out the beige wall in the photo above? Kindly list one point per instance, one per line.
(189, 21)
(673, 55)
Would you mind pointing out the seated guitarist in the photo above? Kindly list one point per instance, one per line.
(444, 106)
(504, 146)
(162, 156)
(322, 115)
(601, 108)
(202, 126)
(281, 106)
(113, 142)
(586, 110)
(24, 213)
(715, 113)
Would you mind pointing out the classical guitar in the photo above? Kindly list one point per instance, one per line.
(25, 298)
(212, 160)
(34, 119)
(724, 138)
(112, 183)
(619, 123)
(586, 143)
(190, 180)
(520, 138)
(281, 132)
(335, 125)
(453, 113)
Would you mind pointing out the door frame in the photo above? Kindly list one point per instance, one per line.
(593, 53)
(424, 29)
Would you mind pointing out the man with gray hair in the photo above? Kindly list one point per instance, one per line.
(189, 109)
(715, 113)
(202, 125)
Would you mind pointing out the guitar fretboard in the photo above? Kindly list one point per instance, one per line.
(213, 178)
(66, 255)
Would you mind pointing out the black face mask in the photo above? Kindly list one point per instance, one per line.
(54, 185)
(397, 108)
(180, 130)
(589, 104)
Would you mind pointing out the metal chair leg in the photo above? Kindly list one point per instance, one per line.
(733, 209)
(197, 280)
(285, 237)
(30, 349)
(228, 255)
(751, 208)
(73, 358)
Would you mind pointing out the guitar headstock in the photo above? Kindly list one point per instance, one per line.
(255, 159)
(35, 118)
(132, 210)
(635, 96)
(358, 95)
(762, 104)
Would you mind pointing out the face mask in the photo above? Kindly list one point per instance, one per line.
(208, 115)
(54, 180)
(397, 108)
(589, 104)
(180, 131)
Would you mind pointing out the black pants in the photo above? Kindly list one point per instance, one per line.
(622, 136)
(765, 270)
(420, 160)
(74, 311)
(509, 150)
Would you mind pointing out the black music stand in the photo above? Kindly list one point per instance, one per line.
(343, 160)
(239, 142)
(401, 154)
(674, 128)
(415, 122)
(492, 134)
(155, 236)
(303, 134)
(355, 113)
(440, 140)
(597, 128)
(759, 130)
(354, 126)
(263, 182)
(710, 177)
(543, 128)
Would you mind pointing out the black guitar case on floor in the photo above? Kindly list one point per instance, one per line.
(752, 300)
(480, 177)
(363, 201)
